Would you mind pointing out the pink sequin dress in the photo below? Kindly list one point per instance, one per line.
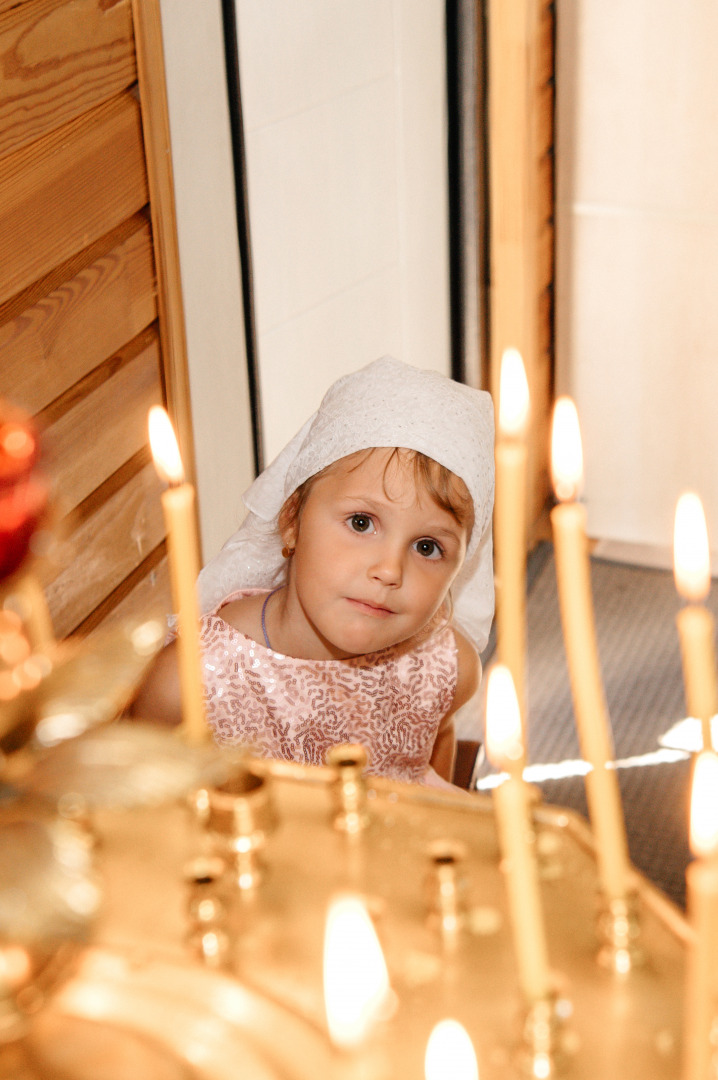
(391, 701)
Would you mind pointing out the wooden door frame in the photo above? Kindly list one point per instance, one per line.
(520, 149)
(156, 133)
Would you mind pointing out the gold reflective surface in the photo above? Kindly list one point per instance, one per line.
(228, 981)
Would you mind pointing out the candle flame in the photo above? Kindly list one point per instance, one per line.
(691, 561)
(17, 442)
(513, 394)
(566, 450)
(450, 1053)
(503, 719)
(163, 444)
(704, 806)
(356, 982)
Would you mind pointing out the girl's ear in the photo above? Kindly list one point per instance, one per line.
(289, 521)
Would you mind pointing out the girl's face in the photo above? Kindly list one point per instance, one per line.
(374, 559)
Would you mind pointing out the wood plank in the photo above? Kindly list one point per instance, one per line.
(97, 498)
(102, 429)
(545, 320)
(69, 269)
(544, 189)
(544, 259)
(106, 547)
(69, 188)
(521, 199)
(62, 337)
(544, 118)
(60, 58)
(147, 596)
(6, 5)
(512, 160)
(546, 43)
(541, 489)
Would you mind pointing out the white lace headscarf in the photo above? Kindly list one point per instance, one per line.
(386, 404)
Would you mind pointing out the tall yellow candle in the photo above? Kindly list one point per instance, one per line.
(568, 521)
(178, 504)
(510, 522)
(503, 736)
(701, 1001)
(696, 625)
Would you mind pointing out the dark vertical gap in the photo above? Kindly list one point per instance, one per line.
(483, 186)
(456, 274)
(231, 59)
(467, 172)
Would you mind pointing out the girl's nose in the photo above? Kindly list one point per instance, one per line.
(387, 566)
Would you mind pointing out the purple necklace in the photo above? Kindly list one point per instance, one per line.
(267, 598)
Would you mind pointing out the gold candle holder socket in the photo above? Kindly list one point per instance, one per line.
(239, 816)
(207, 935)
(619, 933)
(446, 888)
(348, 761)
(545, 842)
(543, 1052)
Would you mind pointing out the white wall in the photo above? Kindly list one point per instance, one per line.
(637, 229)
(207, 232)
(345, 128)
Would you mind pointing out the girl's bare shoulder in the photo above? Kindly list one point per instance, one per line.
(469, 669)
(245, 614)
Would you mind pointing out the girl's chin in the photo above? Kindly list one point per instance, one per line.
(348, 646)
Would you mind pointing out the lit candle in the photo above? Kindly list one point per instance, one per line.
(450, 1053)
(178, 504)
(568, 521)
(503, 737)
(356, 982)
(702, 902)
(510, 521)
(696, 626)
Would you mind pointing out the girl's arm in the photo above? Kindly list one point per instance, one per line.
(158, 698)
(467, 683)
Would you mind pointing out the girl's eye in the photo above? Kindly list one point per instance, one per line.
(428, 548)
(361, 523)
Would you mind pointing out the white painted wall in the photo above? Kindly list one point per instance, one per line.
(345, 128)
(207, 232)
(637, 229)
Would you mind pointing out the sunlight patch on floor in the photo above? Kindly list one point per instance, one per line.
(559, 770)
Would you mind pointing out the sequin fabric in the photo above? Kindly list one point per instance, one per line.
(391, 701)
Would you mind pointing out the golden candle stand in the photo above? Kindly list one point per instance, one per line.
(203, 957)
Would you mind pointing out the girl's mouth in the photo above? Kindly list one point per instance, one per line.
(370, 609)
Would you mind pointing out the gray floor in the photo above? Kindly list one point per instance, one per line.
(635, 611)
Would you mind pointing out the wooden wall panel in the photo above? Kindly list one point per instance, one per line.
(69, 188)
(49, 346)
(60, 58)
(150, 597)
(106, 547)
(106, 424)
(91, 324)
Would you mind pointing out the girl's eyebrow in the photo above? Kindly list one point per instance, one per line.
(441, 530)
(359, 496)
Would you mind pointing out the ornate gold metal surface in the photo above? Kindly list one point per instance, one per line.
(255, 1008)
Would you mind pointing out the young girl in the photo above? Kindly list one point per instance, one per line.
(333, 614)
